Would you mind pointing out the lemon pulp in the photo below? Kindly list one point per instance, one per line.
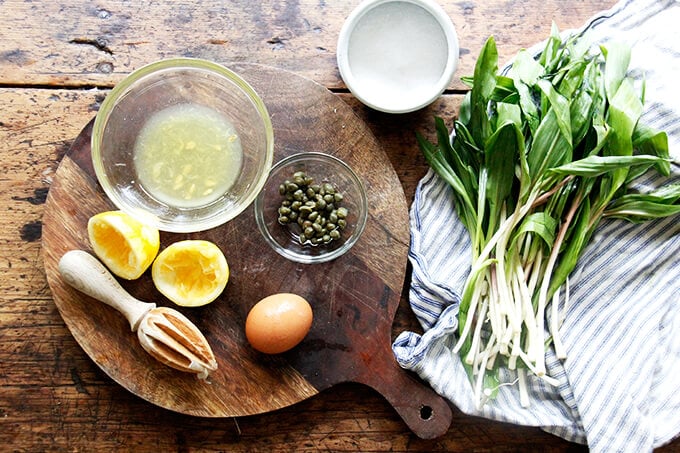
(126, 246)
(187, 155)
(191, 273)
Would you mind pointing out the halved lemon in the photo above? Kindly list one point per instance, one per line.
(191, 273)
(124, 244)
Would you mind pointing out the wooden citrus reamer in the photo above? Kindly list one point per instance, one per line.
(163, 332)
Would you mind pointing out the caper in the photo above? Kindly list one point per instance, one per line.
(313, 207)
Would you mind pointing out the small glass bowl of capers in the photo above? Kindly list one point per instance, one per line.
(312, 209)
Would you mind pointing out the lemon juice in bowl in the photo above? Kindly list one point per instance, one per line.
(187, 155)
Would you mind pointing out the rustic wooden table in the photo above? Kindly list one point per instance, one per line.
(58, 61)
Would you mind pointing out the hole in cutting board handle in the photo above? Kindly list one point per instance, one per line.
(426, 412)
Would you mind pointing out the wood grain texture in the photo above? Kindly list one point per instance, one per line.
(53, 55)
(98, 43)
(354, 297)
(53, 394)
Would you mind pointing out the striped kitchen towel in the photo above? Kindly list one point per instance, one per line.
(619, 388)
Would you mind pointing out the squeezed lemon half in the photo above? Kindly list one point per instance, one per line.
(125, 245)
(191, 273)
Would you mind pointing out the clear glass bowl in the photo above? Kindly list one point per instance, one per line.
(285, 238)
(166, 84)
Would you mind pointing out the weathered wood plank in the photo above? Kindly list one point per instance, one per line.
(53, 394)
(97, 43)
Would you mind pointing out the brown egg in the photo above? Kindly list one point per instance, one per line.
(278, 323)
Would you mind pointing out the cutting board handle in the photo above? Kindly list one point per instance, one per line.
(425, 412)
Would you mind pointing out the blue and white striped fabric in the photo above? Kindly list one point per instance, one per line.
(619, 388)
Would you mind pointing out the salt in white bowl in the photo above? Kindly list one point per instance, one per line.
(397, 56)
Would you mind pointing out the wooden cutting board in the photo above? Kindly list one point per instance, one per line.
(354, 297)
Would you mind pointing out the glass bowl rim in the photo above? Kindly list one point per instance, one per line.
(362, 218)
(181, 63)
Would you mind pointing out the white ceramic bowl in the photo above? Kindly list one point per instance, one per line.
(397, 56)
